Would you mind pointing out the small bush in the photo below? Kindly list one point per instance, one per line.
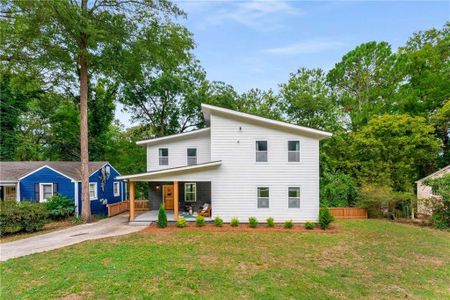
(325, 218)
(218, 222)
(60, 207)
(309, 225)
(162, 217)
(270, 222)
(200, 221)
(288, 224)
(181, 222)
(234, 222)
(252, 222)
(22, 216)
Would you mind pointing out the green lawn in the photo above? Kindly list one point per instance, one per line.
(369, 258)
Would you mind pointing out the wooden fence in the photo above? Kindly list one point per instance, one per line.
(348, 213)
(140, 205)
(118, 208)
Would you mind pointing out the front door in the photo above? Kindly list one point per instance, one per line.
(168, 197)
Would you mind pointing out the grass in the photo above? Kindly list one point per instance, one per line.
(365, 259)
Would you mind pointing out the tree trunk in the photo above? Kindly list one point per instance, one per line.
(86, 203)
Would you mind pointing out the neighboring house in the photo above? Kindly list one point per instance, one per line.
(425, 191)
(241, 165)
(38, 180)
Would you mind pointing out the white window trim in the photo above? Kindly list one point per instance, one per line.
(160, 156)
(96, 191)
(256, 151)
(118, 188)
(257, 197)
(41, 191)
(299, 151)
(196, 155)
(195, 192)
(299, 197)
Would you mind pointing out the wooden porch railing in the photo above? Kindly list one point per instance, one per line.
(348, 212)
(118, 208)
(140, 205)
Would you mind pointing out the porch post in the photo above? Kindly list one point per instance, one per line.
(175, 200)
(132, 213)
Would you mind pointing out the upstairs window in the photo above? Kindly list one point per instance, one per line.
(294, 197)
(191, 156)
(261, 151)
(163, 156)
(294, 151)
(263, 197)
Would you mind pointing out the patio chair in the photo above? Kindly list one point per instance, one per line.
(205, 211)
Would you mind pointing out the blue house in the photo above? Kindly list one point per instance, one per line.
(39, 180)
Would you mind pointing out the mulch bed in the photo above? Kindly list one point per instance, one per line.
(298, 228)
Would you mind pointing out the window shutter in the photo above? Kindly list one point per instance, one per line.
(36, 192)
(55, 188)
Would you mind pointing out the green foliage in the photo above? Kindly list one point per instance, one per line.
(234, 222)
(270, 222)
(200, 221)
(309, 225)
(162, 217)
(440, 208)
(181, 222)
(60, 207)
(325, 218)
(23, 216)
(337, 190)
(252, 222)
(288, 224)
(218, 222)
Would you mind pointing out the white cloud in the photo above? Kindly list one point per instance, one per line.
(304, 47)
(263, 15)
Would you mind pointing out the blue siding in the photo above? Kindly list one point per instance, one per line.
(45, 175)
(97, 207)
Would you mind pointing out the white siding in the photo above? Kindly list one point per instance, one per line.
(234, 184)
(178, 151)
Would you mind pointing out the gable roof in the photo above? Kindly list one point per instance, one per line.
(210, 109)
(435, 173)
(12, 171)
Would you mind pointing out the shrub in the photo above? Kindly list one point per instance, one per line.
(337, 190)
(440, 208)
(60, 207)
(270, 222)
(162, 217)
(252, 222)
(200, 221)
(325, 218)
(309, 225)
(181, 222)
(218, 221)
(23, 216)
(234, 222)
(288, 224)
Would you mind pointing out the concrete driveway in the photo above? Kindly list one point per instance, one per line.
(114, 226)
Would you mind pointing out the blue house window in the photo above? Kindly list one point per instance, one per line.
(46, 191)
(93, 190)
(116, 189)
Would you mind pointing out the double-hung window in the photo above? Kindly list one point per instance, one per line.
(190, 192)
(93, 191)
(163, 156)
(46, 191)
(191, 156)
(261, 151)
(263, 197)
(294, 197)
(116, 189)
(293, 151)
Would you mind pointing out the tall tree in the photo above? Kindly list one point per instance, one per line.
(261, 103)
(78, 41)
(366, 81)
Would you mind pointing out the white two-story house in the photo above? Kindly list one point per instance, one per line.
(241, 165)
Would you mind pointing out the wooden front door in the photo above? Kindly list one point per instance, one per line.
(168, 197)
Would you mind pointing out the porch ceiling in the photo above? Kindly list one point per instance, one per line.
(178, 170)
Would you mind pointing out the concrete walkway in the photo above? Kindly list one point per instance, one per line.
(114, 226)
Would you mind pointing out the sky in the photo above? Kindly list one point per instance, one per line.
(257, 44)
